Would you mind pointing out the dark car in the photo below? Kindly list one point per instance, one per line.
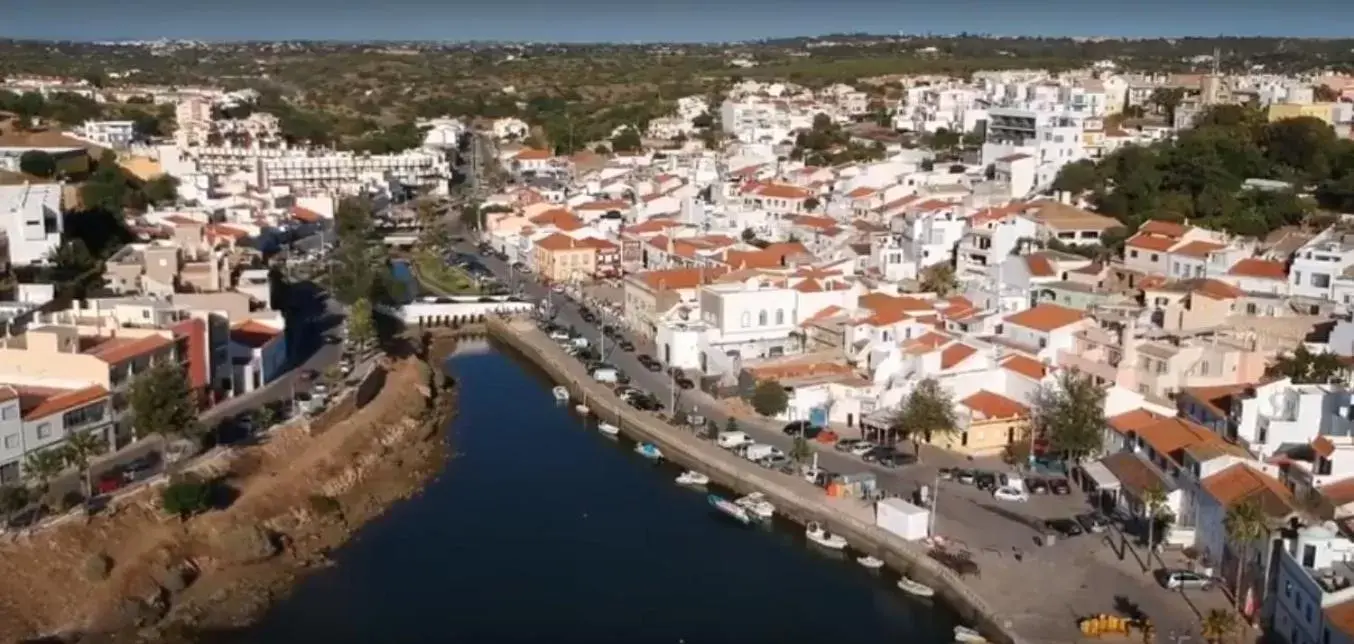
(626, 345)
(588, 317)
(621, 378)
(141, 467)
(1059, 486)
(985, 481)
(649, 363)
(1093, 522)
(801, 427)
(684, 382)
(1036, 485)
(609, 331)
(1065, 528)
(877, 453)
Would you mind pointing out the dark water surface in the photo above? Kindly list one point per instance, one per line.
(543, 530)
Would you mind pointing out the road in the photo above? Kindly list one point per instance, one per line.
(963, 513)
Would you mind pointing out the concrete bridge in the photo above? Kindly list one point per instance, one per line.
(442, 311)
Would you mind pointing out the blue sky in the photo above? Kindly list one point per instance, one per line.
(673, 20)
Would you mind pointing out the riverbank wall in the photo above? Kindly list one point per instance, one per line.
(795, 498)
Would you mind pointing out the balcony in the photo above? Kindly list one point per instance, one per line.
(1100, 362)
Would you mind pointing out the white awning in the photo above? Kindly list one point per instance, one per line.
(1101, 475)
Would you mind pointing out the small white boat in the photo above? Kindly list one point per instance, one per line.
(608, 429)
(730, 508)
(693, 478)
(757, 504)
(914, 588)
(649, 451)
(816, 533)
(582, 409)
(968, 635)
(561, 393)
(870, 562)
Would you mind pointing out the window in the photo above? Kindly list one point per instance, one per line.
(12, 441)
(1308, 556)
(11, 412)
(44, 430)
(1154, 257)
(761, 318)
(1320, 280)
(780, 316)
(1133, 254)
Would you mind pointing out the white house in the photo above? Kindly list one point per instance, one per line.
(31, 213)
(258, 351)
(1044, 329)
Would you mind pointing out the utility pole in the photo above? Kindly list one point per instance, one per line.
(935, 503)
(672, 391)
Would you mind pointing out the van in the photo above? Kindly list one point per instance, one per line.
(607, 375)
(732, 440)
(759, 451)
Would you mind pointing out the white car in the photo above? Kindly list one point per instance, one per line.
(559, 288)
(1010, 494)
(861, 448)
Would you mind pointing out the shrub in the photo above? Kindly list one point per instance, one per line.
(324, 505)
(186, 497)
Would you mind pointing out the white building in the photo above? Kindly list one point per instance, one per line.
(1320, 262)
(1314, 602)
(32, 221)
(110, 134)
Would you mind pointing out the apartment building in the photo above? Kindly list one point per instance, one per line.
(1314, 586)
(1043, 330)
(651, 294)
(31, 214)
(306, 169)
(258, 352)
(35, 419)
(117, 135)
(163, 268)
(1320, 263)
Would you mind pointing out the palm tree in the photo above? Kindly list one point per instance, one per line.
(1153, 499)
(80, 447)
(1218, 625)
(43, 466)
(1245, 524)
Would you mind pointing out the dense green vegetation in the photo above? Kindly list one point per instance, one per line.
(1199, 175)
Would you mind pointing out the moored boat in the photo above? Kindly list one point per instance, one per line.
(757, 505)
(608, 429)
(649, 451)
(730, 508)
(693, 478)
(870, 562)
(561, 393)
(968, 635)
(915, 588)
(582, 409)
(816, 533)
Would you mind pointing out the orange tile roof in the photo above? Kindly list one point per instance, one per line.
(608, 204)
(859, 193)
(1172, 436)
(253, 334)
(1217, 290)
(955, 354)
(50, 402)
(654, 225)
(752, 259)
(1198, 249)
(1217, 398)
(1241, 482)
(1323, 447)
(783, 191)
(1340, 492)
(181, 220)
(679, 278)
(532, 154)
(558, 242)
(1164, 228)
(1150, 242)
(827, 312)
(226, 231)
(1259, 268)
(1039, 266)
(1046, 317)
(305, 215)
(598, 243)
(116, 350)
(1025, 366)
(1132, 421)
(559, 218)
(1341, 617)
(993, 406)
(814, 222)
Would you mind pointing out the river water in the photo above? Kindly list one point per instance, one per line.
(543, 530)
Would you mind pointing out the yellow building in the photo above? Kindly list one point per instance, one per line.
(1323, 111)
(561, 258)
(988, 422)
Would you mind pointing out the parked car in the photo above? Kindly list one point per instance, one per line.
(1065, 527)
(862, 448)
(1036, 485)
(140, 467)
(626, 345)
(1059, 486)
(879, 453)
(1010, 494)
(967, 477)
(847, 444)
(1184, 580)
(110, 482)
(649, 363)
(684, 382)
(987, 481)
(801, 427)
(946, 473)
(896, 459)
(1093, 522)
(775, 461)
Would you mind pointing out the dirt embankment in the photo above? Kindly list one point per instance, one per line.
(134, 574)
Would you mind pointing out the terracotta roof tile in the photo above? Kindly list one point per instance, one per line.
(305, 215)
(531, 154)
(558, 242)
(1164, 228)
(253, 334)
(1340, 617)
(62, 401)
(1046, 317)
(993, 405)
(783, 191)
(954, 354)
(1197, 249)
(1132, 421)
(1217, 290)
(559, 218)
(1257, 268)
(116, 350)
(1150, 242)
(1039, 266)
(679, 278)
(1025, 366)
(1241, 482)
